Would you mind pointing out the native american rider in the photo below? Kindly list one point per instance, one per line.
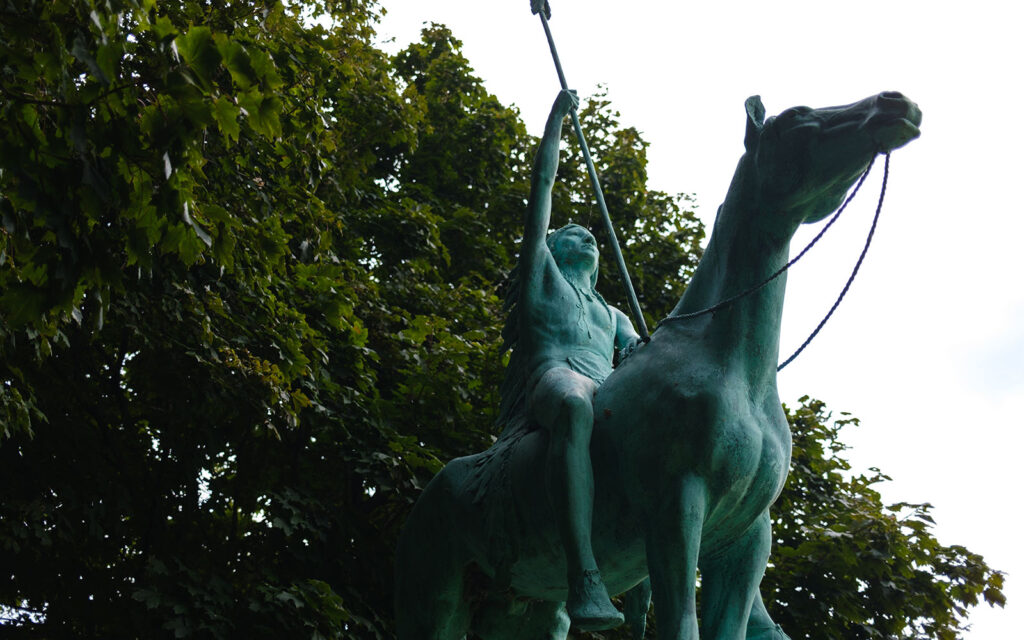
(563, 335)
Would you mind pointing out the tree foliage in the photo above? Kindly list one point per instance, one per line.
(848, 567)
(188, 388)
(251, 273)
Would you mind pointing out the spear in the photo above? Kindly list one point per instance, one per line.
(634, 304)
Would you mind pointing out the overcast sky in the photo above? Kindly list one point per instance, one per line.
(927, 349)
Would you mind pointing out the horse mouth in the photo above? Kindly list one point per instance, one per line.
(893, 133)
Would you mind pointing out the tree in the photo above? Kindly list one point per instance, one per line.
(251, 281)
(184, 366)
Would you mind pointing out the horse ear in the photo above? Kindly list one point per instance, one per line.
(755, 121)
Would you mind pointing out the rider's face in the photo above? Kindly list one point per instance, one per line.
(576, 247)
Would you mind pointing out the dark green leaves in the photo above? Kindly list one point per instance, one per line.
(226, 113)
(198, 51)
(846, 566)
(236, 60)
(262, 111)
(183, 319)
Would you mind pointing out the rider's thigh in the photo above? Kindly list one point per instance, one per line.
(559, 393)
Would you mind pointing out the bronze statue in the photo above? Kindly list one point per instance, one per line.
(563, 335)
(689, 446)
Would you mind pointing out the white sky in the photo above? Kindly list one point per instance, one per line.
(927, 348)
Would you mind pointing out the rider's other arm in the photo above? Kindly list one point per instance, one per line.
(545, 165)
(626, 338)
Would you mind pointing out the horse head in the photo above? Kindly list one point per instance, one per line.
(804, 160)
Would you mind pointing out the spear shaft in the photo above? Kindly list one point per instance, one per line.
(634, 304)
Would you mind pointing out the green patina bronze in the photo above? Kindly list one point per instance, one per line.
(687, 441)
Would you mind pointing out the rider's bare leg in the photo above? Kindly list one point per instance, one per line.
(561, 402)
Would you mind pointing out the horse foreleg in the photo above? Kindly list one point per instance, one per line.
(675, 522)
(731, 604)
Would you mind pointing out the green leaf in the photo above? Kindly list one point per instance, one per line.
(81, 51)
(164, 28)
(108, 59)
(22, 304)
(236, 59)
(217, 213)
(225, 112)
(172, 238)
(199, 53)
(419, 328)
(198, 109)
(263, 66)
(263, 112)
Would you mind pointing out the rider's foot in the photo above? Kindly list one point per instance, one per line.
(589, 606)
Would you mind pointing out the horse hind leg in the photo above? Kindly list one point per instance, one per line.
(535, 620)
(430, 602)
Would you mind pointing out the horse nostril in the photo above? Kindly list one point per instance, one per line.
(891, 95)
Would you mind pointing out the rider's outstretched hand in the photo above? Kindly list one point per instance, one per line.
(566, 101)
(537, 5)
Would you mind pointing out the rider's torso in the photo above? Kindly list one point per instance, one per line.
(564, 326)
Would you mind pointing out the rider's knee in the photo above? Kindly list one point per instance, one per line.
(577, 413)
(577, 402)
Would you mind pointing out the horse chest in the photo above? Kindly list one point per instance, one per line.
(740, 448)
(746, 452)
(748, 465)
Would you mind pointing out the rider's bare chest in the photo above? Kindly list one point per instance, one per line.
(578, 319)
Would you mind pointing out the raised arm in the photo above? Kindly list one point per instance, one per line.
(545, 165)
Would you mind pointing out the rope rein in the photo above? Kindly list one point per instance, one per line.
(853, 274)
(728, 301)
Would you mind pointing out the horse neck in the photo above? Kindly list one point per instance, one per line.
(743, 251)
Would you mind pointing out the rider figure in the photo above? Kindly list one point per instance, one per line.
(564, 338)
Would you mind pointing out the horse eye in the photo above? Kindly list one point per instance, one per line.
(794, 112)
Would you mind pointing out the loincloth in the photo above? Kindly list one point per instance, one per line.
(591, 365)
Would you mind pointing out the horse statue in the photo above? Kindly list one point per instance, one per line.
(690, 445)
